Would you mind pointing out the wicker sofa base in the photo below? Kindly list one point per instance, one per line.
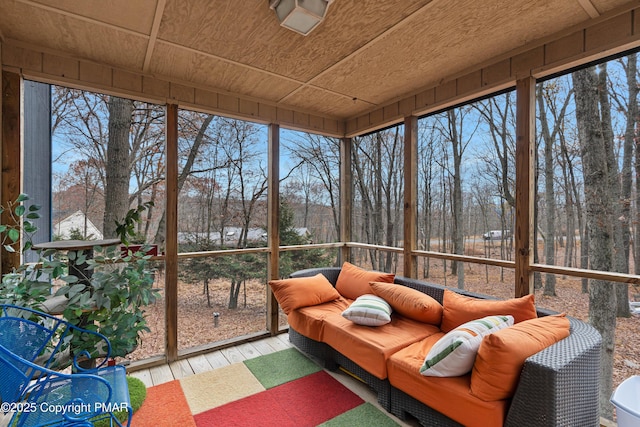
(403, 405)
(381, 387)
(319, 351)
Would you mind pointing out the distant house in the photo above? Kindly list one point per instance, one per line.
(76, 221)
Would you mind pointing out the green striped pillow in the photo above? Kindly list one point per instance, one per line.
(368, 310)
(454, 354)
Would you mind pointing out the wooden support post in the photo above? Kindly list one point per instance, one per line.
(273, 224)
(11, 155)
(346, 197)
(171, 242)
(410, 195)
(525, 184)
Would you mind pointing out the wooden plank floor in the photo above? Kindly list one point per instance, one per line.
(219, 358)
(207, 362)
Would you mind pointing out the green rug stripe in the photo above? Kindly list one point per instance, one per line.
(365, 415)
(281, 367)
(137, 394)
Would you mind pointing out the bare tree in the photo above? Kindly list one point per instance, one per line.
(121, 139)
(426, 172)
(550, 113)
(378, 167)
(318, 161)
(458, 135)
(629, 106)
(598, 201)
(620, 263)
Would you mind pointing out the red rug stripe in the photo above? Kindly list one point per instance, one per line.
(308, 401)
(165, 405)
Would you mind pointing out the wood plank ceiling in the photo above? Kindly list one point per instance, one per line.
(366, 53)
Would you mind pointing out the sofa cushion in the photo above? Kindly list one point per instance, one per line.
(449, 396)
(368, 310)
(501, 355)
(309, 321)
(459, 309)
(454, 353)
(354, 281)
(303, 292)
(409, 302)
(370, 347)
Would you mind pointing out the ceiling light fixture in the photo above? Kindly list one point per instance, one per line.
(301, 16)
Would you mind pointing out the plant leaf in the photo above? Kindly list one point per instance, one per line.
(13, 234)
(76, 289)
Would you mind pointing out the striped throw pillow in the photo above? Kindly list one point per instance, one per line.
(368, 310)
(454, 354)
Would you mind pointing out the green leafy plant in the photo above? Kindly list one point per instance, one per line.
(111, 301)
(126, 230)
(20, 222)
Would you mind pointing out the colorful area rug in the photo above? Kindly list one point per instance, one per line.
(280, 389)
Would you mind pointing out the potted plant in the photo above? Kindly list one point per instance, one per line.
(120, 287)
(111, 301)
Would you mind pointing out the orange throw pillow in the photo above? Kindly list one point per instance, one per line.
(354, 281)
(303, 292)
(459, 309)
(409, 302)
(502, 354)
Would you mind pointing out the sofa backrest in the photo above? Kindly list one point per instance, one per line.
(433, 290)
(437, 292)
(331, 273)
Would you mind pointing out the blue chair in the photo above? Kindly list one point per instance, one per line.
(41, 380)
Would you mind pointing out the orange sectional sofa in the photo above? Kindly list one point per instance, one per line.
(539, 369)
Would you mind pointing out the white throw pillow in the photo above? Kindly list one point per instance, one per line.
(368, 310)
(453, 354)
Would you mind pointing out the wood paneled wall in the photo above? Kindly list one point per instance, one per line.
(49, 67)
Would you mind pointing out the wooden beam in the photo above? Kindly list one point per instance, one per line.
(11, 148)
(410, 195)
(589, 8)
(171, 242)
(346, 197)
(273, 224)
(153, 37)
(525, 184)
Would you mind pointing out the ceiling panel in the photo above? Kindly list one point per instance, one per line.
(134, 15)
(247, 31)
(79, 37)
(313, 99)
(204, 70)
(444, 41)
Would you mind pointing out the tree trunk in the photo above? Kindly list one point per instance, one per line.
(549, 197)
(622, 289)
(117, 168)
(457, 228)
(636, 234)
(598, 202)
(620, 263)
(234, 291)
